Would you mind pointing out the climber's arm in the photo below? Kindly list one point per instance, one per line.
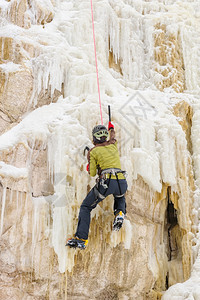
(112, 131)
(112, 135)
(92, 167)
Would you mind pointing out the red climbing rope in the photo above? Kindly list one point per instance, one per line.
(95, 53)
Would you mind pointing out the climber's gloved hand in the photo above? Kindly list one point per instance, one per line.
(110, 126)
(87, 167)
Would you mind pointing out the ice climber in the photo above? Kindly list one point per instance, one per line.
(103, 159)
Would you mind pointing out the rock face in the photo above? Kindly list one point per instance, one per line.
(47, 91)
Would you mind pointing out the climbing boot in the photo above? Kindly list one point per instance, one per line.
(76, 243)
(118, 221)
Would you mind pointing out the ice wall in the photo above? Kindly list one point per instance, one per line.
(148, 58)
(190, 288)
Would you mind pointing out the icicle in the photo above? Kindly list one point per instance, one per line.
(2, 47)
(36, 223)
(128, 234)
(17, 200)
(25, 221)
(3, 208)
(11, 196)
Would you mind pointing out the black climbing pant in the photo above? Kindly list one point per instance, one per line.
(96, 195)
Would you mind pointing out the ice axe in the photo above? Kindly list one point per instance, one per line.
(109, 113)
(86, 149)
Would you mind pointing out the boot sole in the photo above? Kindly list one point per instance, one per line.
(118, 225)
(76, 245)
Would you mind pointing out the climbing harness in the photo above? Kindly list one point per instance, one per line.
(103, 177)
(115, 172)
(95, 53)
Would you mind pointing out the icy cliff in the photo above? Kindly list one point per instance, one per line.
(148, 59)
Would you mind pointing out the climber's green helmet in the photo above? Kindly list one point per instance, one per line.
(100, 134)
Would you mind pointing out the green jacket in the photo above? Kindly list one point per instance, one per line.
(104, 156)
